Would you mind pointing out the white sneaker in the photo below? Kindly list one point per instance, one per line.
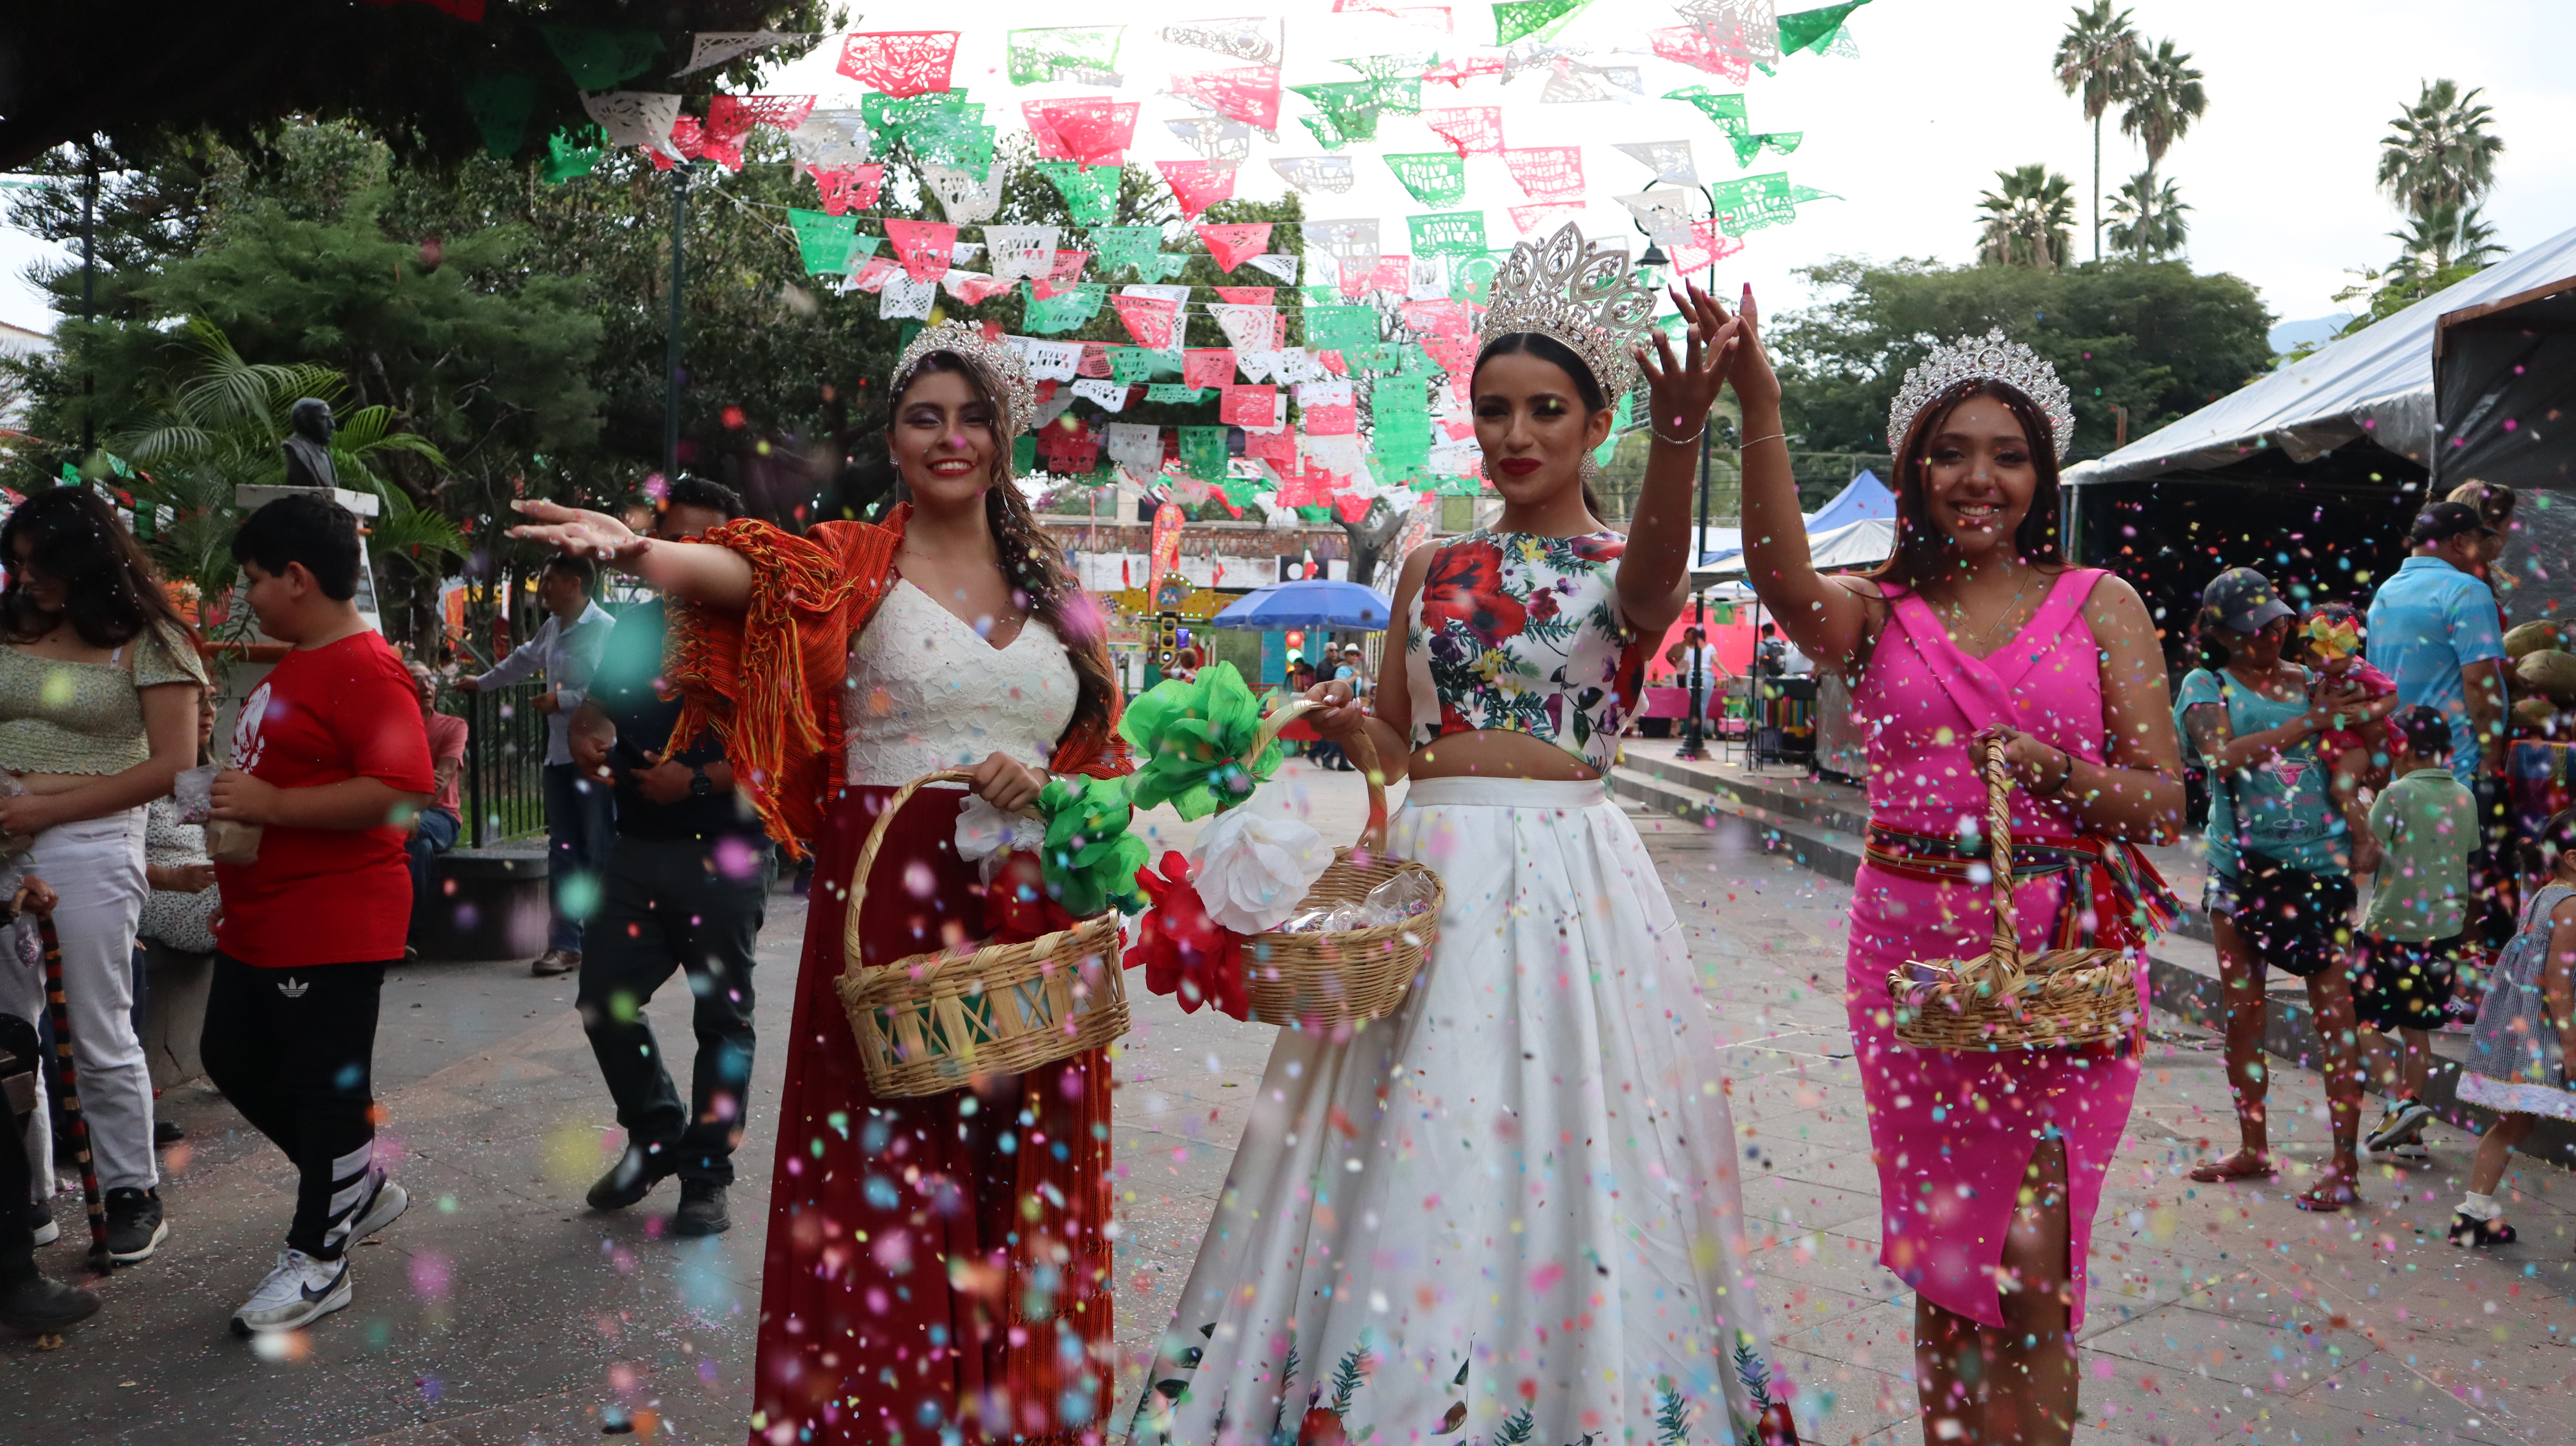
(299, 1291)
(382, 1209)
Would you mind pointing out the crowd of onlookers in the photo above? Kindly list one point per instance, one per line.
(2339, 743)
(293, 866)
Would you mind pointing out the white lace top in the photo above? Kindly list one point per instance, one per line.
(926, 692)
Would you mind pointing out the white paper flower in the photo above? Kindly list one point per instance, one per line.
(1252, 869)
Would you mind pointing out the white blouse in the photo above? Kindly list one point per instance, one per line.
(926, 692)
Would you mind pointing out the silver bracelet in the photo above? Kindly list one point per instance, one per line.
(1758, 441)
(1677, 441)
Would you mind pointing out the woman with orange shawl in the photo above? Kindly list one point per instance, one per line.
(941, 1263)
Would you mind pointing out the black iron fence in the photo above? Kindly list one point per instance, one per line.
(503, 793)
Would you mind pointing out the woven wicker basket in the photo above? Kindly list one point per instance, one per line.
(935, 1022)
(1325, 981)
(2004, 999)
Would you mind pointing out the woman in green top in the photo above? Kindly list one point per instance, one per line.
(98, 713)
(2274, 830)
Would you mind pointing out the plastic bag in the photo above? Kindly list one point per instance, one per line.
(194, 789)
(1398, 898)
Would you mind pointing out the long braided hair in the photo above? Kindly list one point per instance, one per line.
(1029, 558)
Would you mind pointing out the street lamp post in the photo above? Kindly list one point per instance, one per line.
(671, 362)
(1694, 733)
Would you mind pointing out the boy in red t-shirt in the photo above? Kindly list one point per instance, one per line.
(330, 760)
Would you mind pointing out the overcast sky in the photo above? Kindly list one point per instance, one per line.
(1941, 96)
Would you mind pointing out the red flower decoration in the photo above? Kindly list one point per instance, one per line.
(1016, 907)
(1186, 954)
(1465, 586)
(1600, 549)
(1542, 605)
(1322, 1428)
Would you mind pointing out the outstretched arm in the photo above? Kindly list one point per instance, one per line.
(1654, 573)
(697, 572)
(1392, 722)
(1826, 617)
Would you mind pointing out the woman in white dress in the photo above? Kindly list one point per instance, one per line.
(937, 1267)
(1509, 1212)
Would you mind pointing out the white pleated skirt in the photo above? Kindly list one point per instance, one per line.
(1510, 1210)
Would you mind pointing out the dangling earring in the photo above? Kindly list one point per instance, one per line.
(1589, 469)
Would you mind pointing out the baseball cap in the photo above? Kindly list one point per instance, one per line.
(2244, 600)
(2445, 520)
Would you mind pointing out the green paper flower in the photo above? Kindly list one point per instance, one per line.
(1089, 860)
(1191, 741)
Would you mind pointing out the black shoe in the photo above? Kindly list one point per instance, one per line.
(702, 1209)
(41, 1229)
(2471, 1232)
(166, 1132)
(632, 1178)
(134, 1225)
(40, 1307)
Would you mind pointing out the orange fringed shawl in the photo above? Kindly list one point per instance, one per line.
(769, 682)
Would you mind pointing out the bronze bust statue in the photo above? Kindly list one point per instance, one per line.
(308, 447)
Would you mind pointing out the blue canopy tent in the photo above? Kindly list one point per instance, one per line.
(1314, 603)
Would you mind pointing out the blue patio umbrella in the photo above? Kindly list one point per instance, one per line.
(1315, 603)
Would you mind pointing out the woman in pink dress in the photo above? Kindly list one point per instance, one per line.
(1990, 1164)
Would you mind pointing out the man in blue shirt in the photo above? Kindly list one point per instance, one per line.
(2435, 630)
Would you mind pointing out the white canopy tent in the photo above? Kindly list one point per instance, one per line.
(2378, 383)
(1865, 543)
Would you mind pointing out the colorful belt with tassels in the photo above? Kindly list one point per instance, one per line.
(2101, 868)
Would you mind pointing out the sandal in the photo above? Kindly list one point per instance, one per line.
(2468, 1230)
(2233, 1167)
(2333, 1195)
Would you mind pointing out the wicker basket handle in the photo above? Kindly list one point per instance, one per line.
(1998, 771)
(876, 838)
(1363, 752)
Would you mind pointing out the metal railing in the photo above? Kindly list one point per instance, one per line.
(504, 790)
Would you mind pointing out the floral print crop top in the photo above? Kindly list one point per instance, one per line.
(1521, 634)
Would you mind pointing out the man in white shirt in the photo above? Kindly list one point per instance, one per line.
(1713, 675)
(580, 813)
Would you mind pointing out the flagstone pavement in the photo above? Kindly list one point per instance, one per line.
(500, 1311)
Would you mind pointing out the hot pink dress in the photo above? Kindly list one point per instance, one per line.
(1952, 1131)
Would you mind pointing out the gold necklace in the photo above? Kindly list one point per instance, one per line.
(1959, 612)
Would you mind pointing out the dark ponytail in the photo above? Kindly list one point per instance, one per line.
(2209, 640)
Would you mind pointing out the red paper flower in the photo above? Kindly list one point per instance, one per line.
(1186, 954)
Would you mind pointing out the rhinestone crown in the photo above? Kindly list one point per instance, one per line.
(1984, 358)
(998, 365)
(1578, 293)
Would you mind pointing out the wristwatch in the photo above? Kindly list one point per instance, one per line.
(699, 784)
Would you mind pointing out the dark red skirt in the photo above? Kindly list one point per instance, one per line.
(905, 1289)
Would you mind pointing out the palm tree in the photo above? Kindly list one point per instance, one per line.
(2098, 59)
(2439, 150)
(2028, 220)
(2147, 218)
(2448, 235)
(2162, 105)
(219, 426)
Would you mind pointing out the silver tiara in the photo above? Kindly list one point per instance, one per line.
(999, 365)
(1578, 293)
(1989, 358)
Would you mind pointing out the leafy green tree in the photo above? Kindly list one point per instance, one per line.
(2163, 101)
(2152, 337)
(2439, 151)
(442, 86)
(2027, 219)
(2147, 218)
(2097, 59)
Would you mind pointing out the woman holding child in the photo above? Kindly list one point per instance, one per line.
(2281, 857)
